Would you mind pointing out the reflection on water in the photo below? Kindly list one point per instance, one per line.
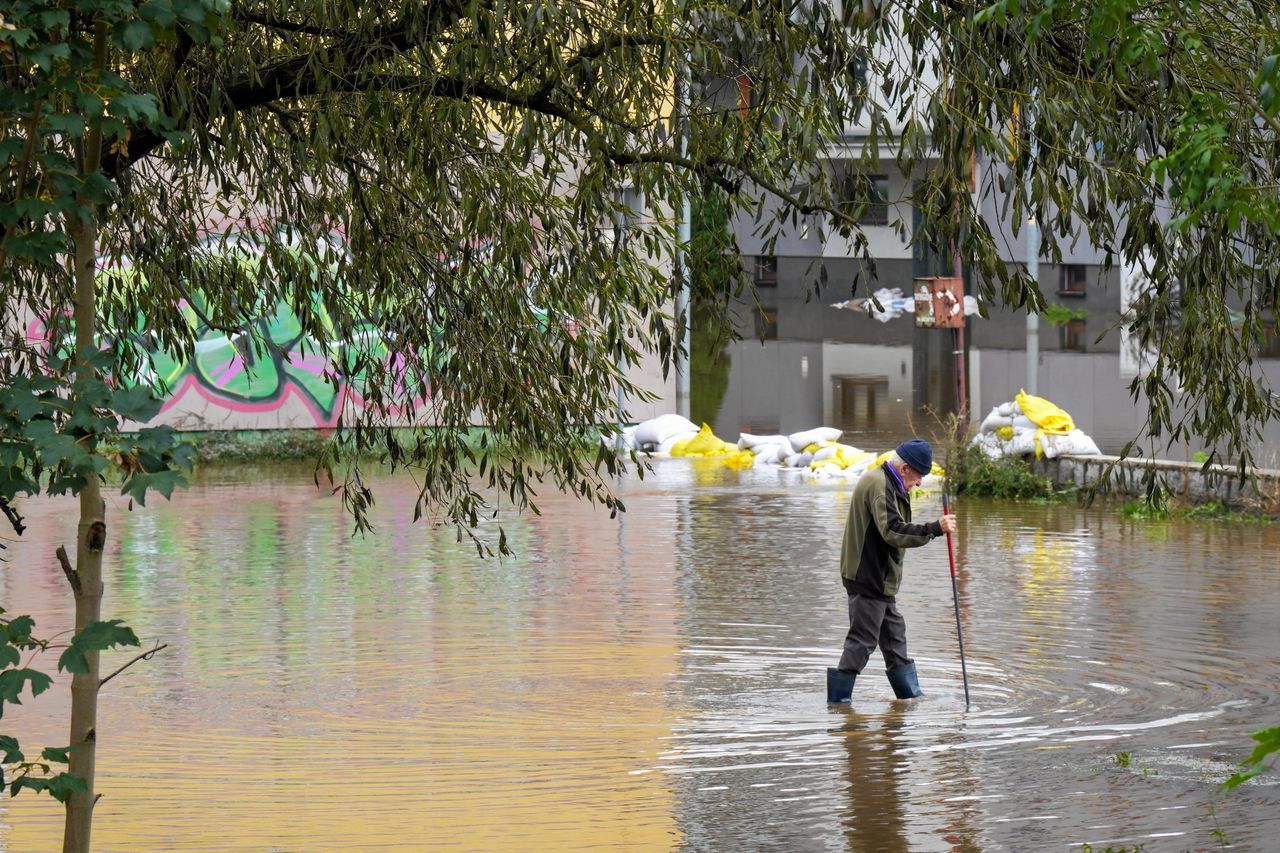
(656, 683)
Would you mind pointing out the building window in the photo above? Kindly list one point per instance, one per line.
(765, 273)
(1073, 280)
(767, 324)
(866, 197)
(1072, 336)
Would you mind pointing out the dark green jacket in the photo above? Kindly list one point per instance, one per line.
(879, 529)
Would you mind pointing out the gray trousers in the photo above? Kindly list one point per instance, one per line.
(874, 622)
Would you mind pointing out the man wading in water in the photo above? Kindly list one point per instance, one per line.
(879, 529)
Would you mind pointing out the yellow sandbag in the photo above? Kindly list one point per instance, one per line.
(678, 449)
(852, 456)
(740, 460)
(704, 443)
(937, 470)
(817, 445)
(883, 458)
(1005, 433)
(1044, 414)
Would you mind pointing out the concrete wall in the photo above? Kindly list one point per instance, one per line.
(1259, 490)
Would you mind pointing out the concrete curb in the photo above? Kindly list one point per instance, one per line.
(1259, 488)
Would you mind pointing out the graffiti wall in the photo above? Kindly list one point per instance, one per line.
(270, 374)
(239, 381)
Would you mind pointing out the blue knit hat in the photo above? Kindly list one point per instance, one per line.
(918, 454)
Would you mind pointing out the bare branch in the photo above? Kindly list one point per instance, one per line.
(286, 26)
(14, 517)
(73, 577)
(147, 655)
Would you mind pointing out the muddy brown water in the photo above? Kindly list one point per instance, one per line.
(656, 683)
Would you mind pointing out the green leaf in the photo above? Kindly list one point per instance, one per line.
(54, 18)
(160, 13)
(12, 752)
(19, 629)
(136, 403)
(57, 754)
(96, 637)
(138, 108)
(67, 124)
(60, 787)
(25, 400)
(1268, 743)
(90, 104)
(164, 482)
(136, 35)
(12, 682)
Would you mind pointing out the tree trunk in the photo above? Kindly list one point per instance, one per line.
(91, 536)
(90, 541)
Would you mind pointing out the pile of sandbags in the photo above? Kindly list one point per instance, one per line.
(817, 451)
(1032, 425)
(799, 450)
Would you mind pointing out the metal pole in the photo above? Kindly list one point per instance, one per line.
(684, 316)
(1033, 258)
(955, 597)
(683, 312)
(957, 346)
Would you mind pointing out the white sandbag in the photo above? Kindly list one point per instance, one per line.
(1022, 423)
(856, 470)
(1009, 409)
(770, 454)
(656, 431)
(1074, 443)
(994, 420)
(1023, 443)
(799, 460)
(625, 439)
(671, 441)
(825, 452)
(747, 441)
(827, 472)
(769, 458)
(989, 443)
(801, 440)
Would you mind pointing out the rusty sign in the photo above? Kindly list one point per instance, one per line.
(939, 302)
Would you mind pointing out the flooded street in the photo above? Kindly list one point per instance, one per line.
(655, 683)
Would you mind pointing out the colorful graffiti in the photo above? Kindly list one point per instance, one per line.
(269, 360)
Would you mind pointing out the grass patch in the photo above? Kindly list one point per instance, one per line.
(1164, 510)
(972, 472)
(274, 445)
(236, 447)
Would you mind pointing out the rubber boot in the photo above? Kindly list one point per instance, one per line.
(904, 681)
(840, 685)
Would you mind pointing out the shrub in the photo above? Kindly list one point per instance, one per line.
(972, 472)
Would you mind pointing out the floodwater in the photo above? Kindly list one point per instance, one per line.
(656, 683)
